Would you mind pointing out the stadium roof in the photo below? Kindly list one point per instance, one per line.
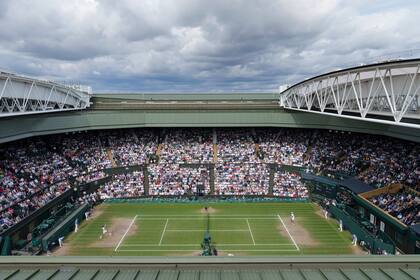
(209, 268)
(377, 64)
(190, 96)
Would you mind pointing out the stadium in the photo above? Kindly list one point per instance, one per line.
(311, 182)
(209, 140)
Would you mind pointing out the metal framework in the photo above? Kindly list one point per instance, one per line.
(21, 95)
(384, 92)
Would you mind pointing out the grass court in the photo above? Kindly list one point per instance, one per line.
(237, 229)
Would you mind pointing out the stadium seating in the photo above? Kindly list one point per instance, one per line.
(404, 205)
(35, 170)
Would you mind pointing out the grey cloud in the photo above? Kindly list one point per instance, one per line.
(192, 45)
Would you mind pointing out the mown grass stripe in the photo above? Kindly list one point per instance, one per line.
(230, 221)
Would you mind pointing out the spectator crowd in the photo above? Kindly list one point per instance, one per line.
(34, 171)
(175, 179)
(123, 185)
(403, 205)
(289, 184)
(242, 179)
(187, 146)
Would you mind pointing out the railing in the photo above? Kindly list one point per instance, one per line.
(21, 95)
(384, 93)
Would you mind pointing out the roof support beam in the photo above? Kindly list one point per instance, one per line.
(372, 91)
(21, 96)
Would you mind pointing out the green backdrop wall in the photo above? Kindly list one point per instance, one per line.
(97, 118)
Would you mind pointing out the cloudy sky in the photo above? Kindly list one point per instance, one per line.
(200, 45)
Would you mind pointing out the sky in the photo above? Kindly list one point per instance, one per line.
(200, 45)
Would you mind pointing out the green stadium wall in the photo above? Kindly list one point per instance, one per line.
(51, 123)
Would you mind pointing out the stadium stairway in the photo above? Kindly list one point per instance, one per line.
(212, 178)
(159, 151)
(257, 150)
(135, 136)
(215, 149)
(214, 136)
(308, 152)
(273, 168)
(215, 152)
(146, 179)
(111, 157)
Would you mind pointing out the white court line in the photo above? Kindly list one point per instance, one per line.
(163, 231)
(198, 245)
(252, 250)
(250, 231)
(202, 218)
(291, 237)
(122, 238)
(199, 230)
